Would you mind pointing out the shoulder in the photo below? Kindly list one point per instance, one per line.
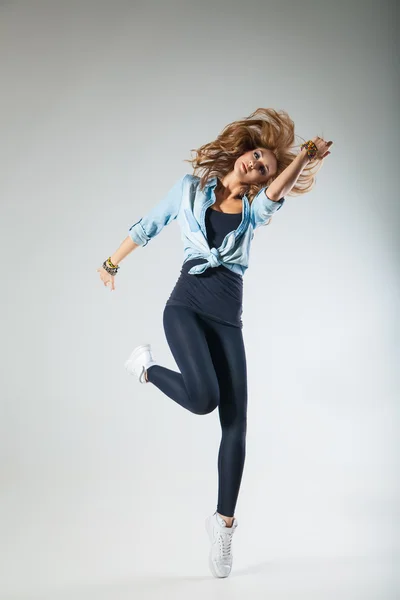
(184, 183)
(190, 182)
(193, 179)
(188, 178)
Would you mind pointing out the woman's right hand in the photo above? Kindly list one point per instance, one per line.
(106, 278)
(322, 147)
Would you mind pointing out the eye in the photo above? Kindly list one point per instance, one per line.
(263, 170)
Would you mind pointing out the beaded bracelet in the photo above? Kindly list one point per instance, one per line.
(109, 267)
(311, 149)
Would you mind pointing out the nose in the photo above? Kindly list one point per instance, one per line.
(252, 164)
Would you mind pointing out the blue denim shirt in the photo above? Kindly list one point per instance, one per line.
(188, 204)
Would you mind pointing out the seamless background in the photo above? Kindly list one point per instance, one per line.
(105, 483)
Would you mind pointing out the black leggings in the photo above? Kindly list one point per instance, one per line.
(213, 372)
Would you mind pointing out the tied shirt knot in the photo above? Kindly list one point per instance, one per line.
(213, 260)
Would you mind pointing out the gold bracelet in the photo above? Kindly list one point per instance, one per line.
(110, 263)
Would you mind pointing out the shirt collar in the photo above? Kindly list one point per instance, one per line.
(211, 183)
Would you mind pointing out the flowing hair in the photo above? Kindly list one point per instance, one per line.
(264, 128)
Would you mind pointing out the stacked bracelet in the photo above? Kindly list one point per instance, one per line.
(311, 149)
(109, 267)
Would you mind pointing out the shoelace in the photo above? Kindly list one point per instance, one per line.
(225, 541)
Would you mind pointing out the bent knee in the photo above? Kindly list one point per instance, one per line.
(203, 399)
(206, 410)
(204, 404)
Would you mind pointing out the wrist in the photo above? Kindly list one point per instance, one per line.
(310, 150)
(303, 157)
(110, 267)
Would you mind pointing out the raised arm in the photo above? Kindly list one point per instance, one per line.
(271, 198)
(283, 184)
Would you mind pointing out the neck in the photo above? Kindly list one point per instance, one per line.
(230, 187)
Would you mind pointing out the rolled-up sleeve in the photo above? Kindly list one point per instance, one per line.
(262, 208)
(159, 216)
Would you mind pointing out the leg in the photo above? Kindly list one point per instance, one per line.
(229, 359)
(196, 386)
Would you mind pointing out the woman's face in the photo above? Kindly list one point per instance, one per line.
(256, 166)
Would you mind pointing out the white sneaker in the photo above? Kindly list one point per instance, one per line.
(139, 361)
(220, 557)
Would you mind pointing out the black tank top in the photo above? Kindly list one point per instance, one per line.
(218, 292)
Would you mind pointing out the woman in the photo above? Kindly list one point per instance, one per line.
(218, 208)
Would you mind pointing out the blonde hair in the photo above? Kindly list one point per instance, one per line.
(264, 128)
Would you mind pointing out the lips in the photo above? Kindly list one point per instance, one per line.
(244, 167)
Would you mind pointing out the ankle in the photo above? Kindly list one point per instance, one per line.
(228, 520)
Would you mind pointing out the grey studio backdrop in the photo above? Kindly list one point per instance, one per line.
(105, 483)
